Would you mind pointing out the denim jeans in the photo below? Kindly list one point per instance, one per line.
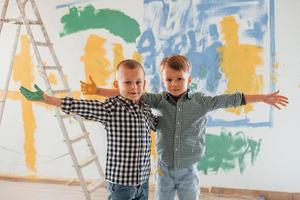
(121, 192)
(184, 180)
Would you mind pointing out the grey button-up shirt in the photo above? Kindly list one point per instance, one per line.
(181, 127)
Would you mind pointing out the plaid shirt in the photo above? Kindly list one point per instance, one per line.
(128, 135)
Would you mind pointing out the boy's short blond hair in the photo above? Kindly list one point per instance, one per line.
(176, 62)
(130, 64)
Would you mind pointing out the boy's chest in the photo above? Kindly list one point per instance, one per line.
(130, 115)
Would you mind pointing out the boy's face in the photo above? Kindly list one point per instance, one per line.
(130, 83)
(176, 82)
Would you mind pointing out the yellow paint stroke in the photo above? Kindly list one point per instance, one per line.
(95, 62)
(23, 73)
(276, 65)
(118, 57)
(137, 56)
(153, 150)
(52, 78)
(239, 63)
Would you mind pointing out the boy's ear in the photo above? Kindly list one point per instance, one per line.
(189, 79)
(116, 84)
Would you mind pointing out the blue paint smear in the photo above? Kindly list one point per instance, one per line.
(236, 123)
(272, 50)
(146, 45)
(257, 31)
(150, 1)
(206, 64)
(192, 34)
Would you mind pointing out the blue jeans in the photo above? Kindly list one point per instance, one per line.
(184, 180)
(121, 192)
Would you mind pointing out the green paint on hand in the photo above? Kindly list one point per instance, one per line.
(113, 21)
(226, 151)
(33, 96)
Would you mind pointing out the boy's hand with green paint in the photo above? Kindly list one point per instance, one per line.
(38, 95)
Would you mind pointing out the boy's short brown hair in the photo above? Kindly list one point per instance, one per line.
(131, 64)
(176, 62)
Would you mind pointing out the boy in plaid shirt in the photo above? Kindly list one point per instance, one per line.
(127, 120)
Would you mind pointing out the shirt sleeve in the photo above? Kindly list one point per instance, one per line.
(243, 100)
(153, 121)
(88, 109)
(220, 101)
(152, 99)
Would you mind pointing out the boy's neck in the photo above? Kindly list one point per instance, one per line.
(175, 98)
(133, 101)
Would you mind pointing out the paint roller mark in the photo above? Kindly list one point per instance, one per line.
(228, 151)
(239, 60)
(23, 73)
(114, 21)
(95, 62)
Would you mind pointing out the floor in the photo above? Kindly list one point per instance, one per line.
(10, 190)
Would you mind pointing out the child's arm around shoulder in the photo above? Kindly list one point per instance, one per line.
(93, 89)
(152, 99)
(273, 99)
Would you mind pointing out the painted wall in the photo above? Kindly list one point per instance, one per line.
(248, 46)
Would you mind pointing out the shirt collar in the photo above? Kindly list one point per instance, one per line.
(188, 94)
(130, 102)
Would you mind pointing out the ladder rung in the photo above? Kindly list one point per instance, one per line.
(51, 67)
(87, 161)
(78, 137)
(95, 185)
(60, 91)
(19, 21)
(24, 2)
(45, 44)
(64, 116)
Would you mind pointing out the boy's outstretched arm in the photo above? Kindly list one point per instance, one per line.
(92, 89)
(39, 95)
(273, 99)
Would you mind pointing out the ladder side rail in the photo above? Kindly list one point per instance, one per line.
(90, 145)
(3, 98)
(3, 14)
(92, 150)
(39, 18)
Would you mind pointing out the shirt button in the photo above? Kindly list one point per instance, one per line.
(179, 109)
(178, 123)
(175, 149)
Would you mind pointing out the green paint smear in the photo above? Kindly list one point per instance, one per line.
(226, 151)
(113, 21)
